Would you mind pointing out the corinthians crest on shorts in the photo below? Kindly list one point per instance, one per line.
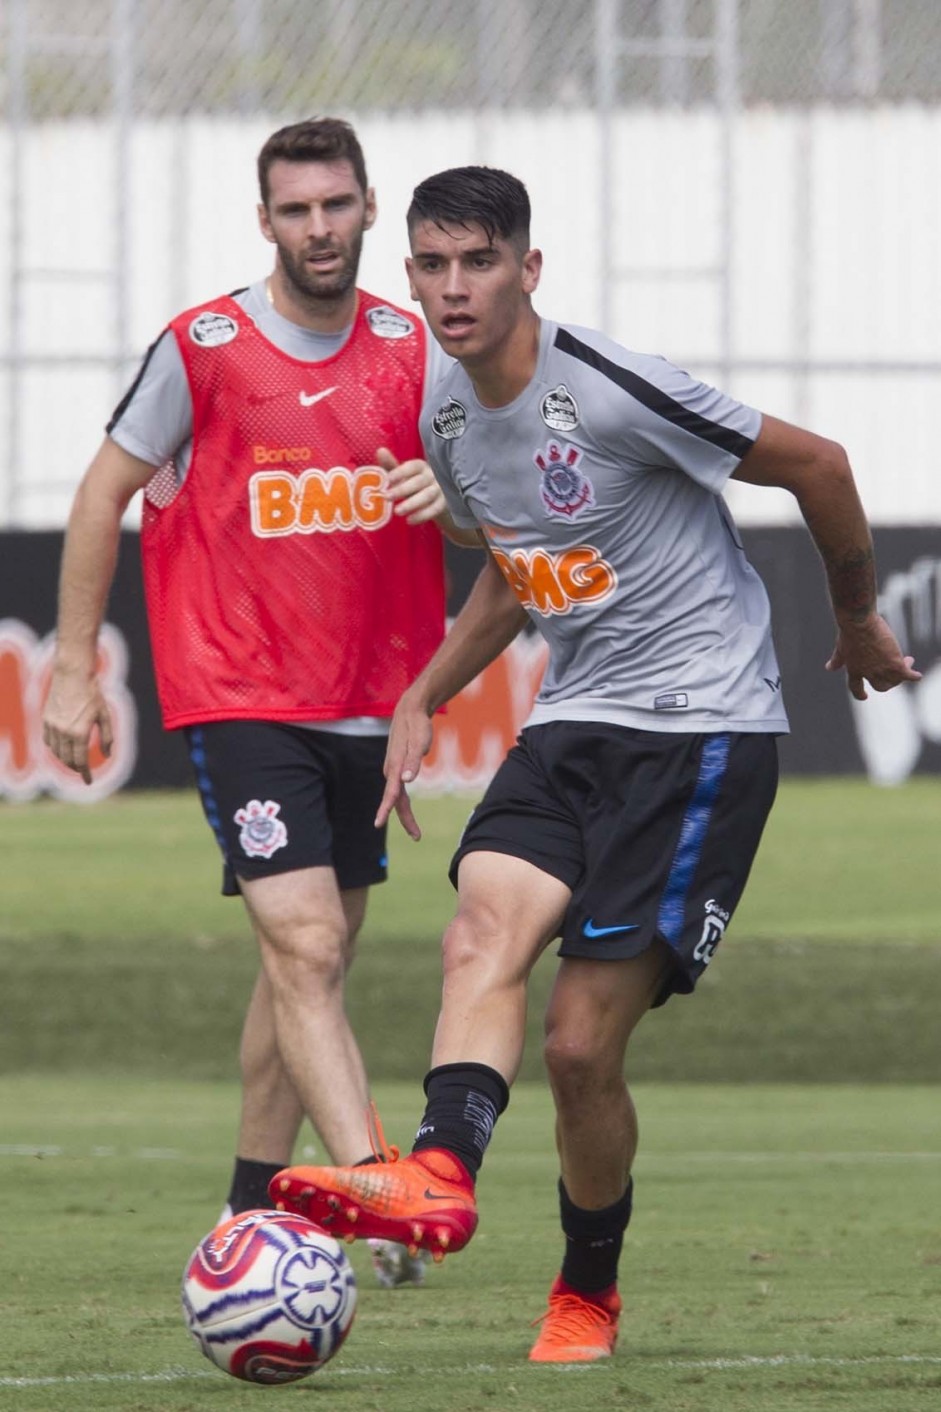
(564, 489)
(263, 833)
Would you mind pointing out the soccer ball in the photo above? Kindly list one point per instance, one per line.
(269, 1297)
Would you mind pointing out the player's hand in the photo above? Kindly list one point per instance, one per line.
(870, 653)
(75, 706)
(409, 742)
(412, 487)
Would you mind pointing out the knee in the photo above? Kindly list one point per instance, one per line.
(570, 1058)
(305, 955)
(578, 1061)
(461, 948)
(474, 945)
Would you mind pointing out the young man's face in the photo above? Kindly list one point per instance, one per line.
(316, 215)
(473, 292)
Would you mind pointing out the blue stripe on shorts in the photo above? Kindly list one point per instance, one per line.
(204, 785)
(670, 918)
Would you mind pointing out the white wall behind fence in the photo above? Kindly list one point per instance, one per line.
(834, 257)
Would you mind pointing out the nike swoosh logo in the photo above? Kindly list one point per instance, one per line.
(307, 399)
(590, 929)
(436, 1195)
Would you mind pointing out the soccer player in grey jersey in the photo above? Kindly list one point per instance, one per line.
(626, 818)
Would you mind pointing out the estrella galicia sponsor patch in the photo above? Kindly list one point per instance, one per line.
(210, 330)
(388, 323)
(559, 409)
(671, 701)
(263, 833)
(450, 420)
(565, 490)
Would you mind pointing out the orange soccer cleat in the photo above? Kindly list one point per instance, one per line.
(577, 1328)
(424, 1201)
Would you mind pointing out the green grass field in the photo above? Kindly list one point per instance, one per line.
(786, 1252)
(119, 955)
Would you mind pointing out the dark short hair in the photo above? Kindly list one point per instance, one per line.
(313, 140)
(483, 196)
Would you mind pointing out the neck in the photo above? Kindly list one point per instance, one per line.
(499, 378)
(319, 315)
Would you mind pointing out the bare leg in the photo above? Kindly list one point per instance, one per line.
(593, 1010)
(507, 913)
(301, 922)
(271, 1113)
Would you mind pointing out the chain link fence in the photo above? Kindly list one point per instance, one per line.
(751, 187)
(70, 59)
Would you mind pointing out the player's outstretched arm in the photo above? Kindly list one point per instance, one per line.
(75, 705)
(488, 622)
(817, 472)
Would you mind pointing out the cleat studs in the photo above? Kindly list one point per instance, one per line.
(437, 1256)
(333, 1202)
(444, 1238)
(280, 1206)
(284, 1184)
(352, 1215)
(418, 1230)
(349, 1237)
(412, 1251)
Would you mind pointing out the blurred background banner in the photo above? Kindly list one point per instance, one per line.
(751, 188)
(888, 737)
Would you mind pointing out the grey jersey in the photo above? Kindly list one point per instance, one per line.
(155, 420)
(599, 492)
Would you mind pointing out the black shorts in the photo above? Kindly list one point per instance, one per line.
(654, 833)
(280, 797)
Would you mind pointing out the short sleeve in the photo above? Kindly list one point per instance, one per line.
(651, 414)
(689, 425)
(155, 417)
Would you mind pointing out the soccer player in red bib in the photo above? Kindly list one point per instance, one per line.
(294, 583)
(625, 819)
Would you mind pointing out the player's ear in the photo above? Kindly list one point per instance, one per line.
(264, 222)
(532, 269)
(372, 210)
(409, 266)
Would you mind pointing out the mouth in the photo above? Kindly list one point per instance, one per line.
(457, 325)
(323, 259)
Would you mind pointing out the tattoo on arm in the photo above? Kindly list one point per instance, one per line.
(852, 580)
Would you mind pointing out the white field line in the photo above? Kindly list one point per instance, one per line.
(49, 1149)
(662, 1159)
(650, 1158)
(777, 1360)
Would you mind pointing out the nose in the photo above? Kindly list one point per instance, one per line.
(318, 225)
(455, 286)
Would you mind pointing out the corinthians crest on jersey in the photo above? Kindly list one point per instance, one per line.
(565, 490)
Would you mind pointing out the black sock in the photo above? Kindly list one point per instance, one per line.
(464, 1103)
(593, 1241)
(249, 1190)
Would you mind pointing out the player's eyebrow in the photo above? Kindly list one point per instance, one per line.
(469, 253)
